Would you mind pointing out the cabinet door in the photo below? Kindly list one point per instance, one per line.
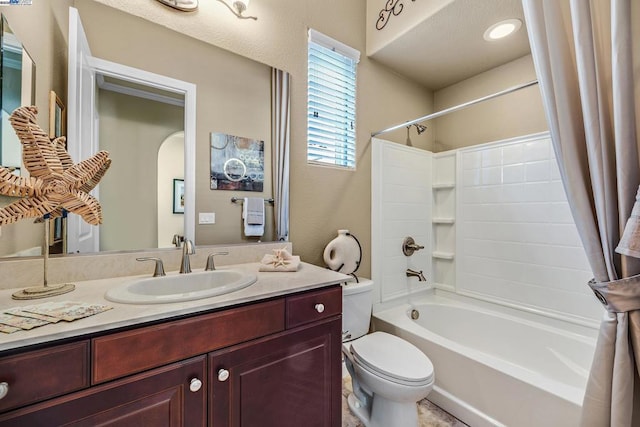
(161, 397)
(291, 379)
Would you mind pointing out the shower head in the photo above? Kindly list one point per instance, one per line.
(419, 128)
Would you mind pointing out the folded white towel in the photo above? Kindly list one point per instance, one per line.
(281, 260)
(253, 216)
(255, 210)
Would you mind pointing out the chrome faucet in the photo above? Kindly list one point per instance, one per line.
(187, 249)
(418, 274)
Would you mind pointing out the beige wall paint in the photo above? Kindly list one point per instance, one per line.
(233, 96)
(323, 199)
(129, 190)
(516, 114)
(410, 15)
(42, 28)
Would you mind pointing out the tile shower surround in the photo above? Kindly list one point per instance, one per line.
(402, 208)
(511, 236)
(516, 238)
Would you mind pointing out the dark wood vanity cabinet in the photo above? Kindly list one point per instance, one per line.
(275, 363)
(288, 380)
(160, 397)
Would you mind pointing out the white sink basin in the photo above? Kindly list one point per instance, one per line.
(180, 287)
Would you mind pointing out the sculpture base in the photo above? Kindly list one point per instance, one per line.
(43, 291)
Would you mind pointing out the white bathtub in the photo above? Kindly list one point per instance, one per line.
(494, 367)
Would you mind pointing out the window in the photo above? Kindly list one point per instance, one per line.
(331, 102)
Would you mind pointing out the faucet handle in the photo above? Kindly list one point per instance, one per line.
(159, 269)
(210, 265)
(177, 240)
(409, 246)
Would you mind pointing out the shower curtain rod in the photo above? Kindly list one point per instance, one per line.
(456, 108)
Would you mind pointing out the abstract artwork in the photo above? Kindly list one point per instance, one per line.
(237, 163)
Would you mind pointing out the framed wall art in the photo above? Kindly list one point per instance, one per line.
(178, 196)
(237, 163)
(57, 115)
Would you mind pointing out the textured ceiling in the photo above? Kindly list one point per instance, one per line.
(449, 47)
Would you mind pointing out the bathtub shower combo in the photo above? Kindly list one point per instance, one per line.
(506, 316)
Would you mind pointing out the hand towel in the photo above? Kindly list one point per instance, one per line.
(281, 260)
(253, 216)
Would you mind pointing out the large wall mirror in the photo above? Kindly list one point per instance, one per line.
(140, 125)
(18, 88)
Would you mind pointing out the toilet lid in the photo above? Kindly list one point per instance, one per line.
(392, 357)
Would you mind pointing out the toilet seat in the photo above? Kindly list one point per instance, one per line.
(393, 359)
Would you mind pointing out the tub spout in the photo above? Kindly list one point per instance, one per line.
(418, 274)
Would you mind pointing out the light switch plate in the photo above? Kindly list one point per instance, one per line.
(207, 218)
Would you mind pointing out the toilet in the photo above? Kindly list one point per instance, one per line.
(389, 375)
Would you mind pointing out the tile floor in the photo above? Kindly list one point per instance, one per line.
(429, 414)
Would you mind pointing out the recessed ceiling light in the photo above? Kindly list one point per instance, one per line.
(502, 29)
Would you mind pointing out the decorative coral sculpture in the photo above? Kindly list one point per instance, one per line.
(56, 183)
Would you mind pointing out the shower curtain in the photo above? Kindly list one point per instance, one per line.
(585, 53)
(280, 124)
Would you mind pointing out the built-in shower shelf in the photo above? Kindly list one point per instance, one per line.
(444, 185)
(442, 220)
(442, 255)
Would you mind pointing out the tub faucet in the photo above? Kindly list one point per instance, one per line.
(187, 249)
(418, 274)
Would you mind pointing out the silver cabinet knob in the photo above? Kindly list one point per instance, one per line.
(195, 385)
(223, 375)
(319, 308)
(4, 389)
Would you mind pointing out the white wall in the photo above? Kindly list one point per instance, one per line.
(401, 207)
(516, 239)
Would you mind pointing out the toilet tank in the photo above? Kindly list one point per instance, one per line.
(357, 301)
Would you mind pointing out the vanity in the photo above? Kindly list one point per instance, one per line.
(267, 355)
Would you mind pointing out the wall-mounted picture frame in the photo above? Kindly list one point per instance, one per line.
(57, 116)
(178, 196)
(237, 163)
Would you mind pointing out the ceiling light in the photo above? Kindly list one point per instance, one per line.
(502, 29)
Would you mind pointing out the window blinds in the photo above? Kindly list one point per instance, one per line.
(331, 103)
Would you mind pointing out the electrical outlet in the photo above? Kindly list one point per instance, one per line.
(207, 218)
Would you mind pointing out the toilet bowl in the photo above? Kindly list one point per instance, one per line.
(389, 375)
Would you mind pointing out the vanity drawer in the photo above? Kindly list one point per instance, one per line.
(314, 305)
(129, 352)
(41, 374)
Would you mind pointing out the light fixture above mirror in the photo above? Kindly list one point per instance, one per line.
(184, 5)
(238, 7)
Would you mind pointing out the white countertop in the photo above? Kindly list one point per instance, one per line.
(268, 285)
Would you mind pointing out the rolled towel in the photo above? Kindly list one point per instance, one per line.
(281, 260)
